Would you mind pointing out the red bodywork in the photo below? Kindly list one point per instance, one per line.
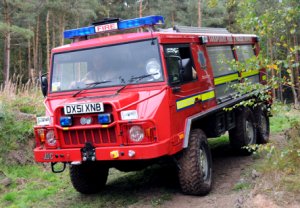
(163, 123)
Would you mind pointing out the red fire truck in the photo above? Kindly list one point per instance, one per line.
(129, 99)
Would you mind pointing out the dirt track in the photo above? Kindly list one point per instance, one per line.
(230, 170)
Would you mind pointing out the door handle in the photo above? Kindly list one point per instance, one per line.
(197, 100)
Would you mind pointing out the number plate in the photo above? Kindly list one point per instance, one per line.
(83, 108)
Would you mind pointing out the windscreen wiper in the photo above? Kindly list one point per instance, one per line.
(90, 85)
(137, 78)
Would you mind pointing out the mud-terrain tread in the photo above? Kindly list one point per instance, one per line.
(88, 178)
(190, 175)
(237, 135)
(262, 137)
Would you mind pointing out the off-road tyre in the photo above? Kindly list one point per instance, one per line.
(195, 165)
(89, 177)
(244, 132)
(263, 124)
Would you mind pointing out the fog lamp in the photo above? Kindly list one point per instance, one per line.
(66, 121)
(50, 138)
(104, 118)
(136, 133)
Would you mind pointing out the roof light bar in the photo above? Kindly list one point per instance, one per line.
(84, 31)
(111, 26)
(140, 22)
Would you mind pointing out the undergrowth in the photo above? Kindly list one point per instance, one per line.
(19, 105)
(281, 158)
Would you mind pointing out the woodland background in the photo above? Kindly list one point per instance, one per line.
(30, 28)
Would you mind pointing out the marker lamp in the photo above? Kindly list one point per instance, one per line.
(136, 134)
(66, 121)
(104, 118)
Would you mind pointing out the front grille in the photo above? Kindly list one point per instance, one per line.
(98, 137)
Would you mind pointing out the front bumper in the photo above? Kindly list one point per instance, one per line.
(150, 151)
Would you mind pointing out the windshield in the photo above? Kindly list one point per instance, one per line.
(111, 65)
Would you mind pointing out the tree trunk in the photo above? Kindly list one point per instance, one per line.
(48, 41)
(53, 31)
(296, 103)
(141, 8)
(20, 61)
(199, 14)
(36, 46)
(61, 29)
(297, 85)
(269, 43)
(7, 41)
(29, 57)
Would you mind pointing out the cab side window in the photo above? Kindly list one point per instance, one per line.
(224, 77)
(244, 52)
(180, 65)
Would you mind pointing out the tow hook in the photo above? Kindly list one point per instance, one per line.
(88, 152)
(54, 170)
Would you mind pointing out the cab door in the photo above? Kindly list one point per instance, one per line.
(189, 83)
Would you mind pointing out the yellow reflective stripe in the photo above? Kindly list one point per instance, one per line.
(187, 102)
(191, 100)
(225, 79)
(208, 95)
(250, 73)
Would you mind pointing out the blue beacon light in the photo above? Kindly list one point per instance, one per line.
(66, 121)
(104, 118)
(122, 25)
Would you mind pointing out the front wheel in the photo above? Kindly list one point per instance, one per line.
(195, 165)
(89, 177)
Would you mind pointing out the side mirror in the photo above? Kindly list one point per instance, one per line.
(44, 84)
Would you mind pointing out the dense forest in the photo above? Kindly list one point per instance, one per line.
(30, 28)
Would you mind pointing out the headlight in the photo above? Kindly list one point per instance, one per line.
(136, 134)
(153, 67)
(50, 138)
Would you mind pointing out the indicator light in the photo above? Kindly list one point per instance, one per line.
(66, 121)
(41, 133)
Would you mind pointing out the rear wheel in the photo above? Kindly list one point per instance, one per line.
(263, 124)
(88, 178)
(195, 173)
(244, 132)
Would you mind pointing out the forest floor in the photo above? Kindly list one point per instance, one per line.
(236, 184)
